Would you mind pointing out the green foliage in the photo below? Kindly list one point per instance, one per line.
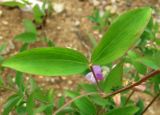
(101, 20)
(116, 76)
(122, 34)
(29, 26)
(26, 37)
(12, 4)
(82, 104)
(30, 34)
(48, 61)
(128, 110)
(38, 14)
(11, 103)
(140, 104)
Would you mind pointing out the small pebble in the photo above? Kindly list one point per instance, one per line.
(95, 32)
(100, 35)
(47, 79)
(1, 37)
(77, 23)
(58, 7)
(80, 10)
(64, 78)
(27, 78)
(69, 82)
(4, 22)
(59, 94)
(13, 79)
(52, 80)
(95, 2)
(59, 28)
(1, 12)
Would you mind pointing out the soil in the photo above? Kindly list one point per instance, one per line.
(67, 29)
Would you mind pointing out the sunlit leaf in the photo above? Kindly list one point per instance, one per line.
(122, 34)
(48, 61)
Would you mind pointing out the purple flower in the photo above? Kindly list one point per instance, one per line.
(98, 72)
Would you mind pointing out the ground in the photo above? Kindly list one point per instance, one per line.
(67, 29)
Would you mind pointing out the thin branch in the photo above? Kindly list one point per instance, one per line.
(135, 84)
(74, 99)
(153, 100)
(129, 97)
(111, 94)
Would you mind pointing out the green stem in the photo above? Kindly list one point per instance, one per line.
(129, 97)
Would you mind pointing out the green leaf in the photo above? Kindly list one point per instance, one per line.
(26, 37)
(66, 110)
(89, 87)
(29, 26)
(61, 101)
(30, 104)
(20, 81)
(140, 104)
(38, 14)
(10, 104)
(83, 104)
(3, 47)
(1, 81)
(116, 76)
(129, 110)
(122, 34)
(150, 61)
(98, 100)
(142, 69)
(12, 4)
(48, 62)
(42, 108)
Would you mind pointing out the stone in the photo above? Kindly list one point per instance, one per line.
(58, 7)
(5, 22)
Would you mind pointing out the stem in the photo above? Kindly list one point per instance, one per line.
(135, 84)
(153, 100)
(111, 94)
(74, 99)
(130, 95)
(95, 77)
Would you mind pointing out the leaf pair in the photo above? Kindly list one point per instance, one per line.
(30, 34)
(122, 34)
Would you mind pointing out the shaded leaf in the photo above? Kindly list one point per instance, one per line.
(29, 26)
(10, 104)
(26, 37)
(129, 110)
(114, 79)
(83, 104)
(12, 4)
